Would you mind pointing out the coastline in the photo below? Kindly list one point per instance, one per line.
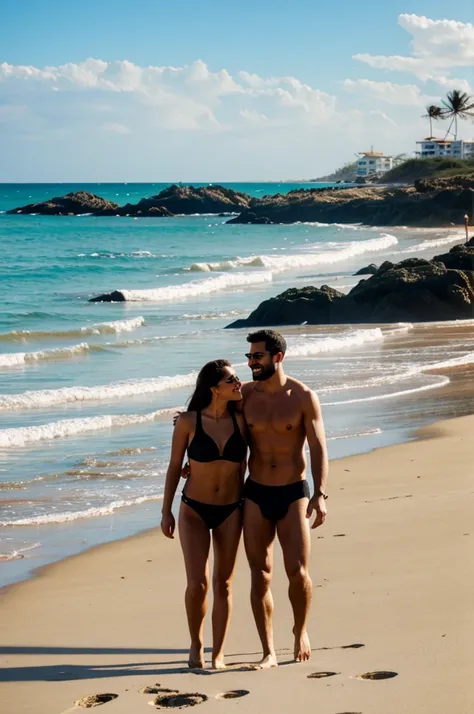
(391, 571)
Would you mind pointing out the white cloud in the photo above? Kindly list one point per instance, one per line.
(396, 94)
(437, 47)
(185, 98)
(193, 122)
(115, 128)
(252, 116)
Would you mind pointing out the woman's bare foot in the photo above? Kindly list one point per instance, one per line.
(196, 657)
(302, 647)
(218, 661)
(269, 661)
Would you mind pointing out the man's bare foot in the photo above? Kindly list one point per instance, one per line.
(218, 661)
(196, 657)
(268, 661)
(302, 647)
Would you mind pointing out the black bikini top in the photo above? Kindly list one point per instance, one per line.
(204, 449)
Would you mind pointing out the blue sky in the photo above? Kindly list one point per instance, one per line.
(322, 80)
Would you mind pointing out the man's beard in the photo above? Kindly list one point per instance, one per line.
(267, 371)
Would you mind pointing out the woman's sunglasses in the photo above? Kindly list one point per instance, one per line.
(232, 379)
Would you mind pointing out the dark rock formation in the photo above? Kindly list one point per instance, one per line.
(414, 290)
(460, 257)
(72, 204)
(115, 296)
(207, 199)
(172, 200)
(142, 209)
(368, 270)
(250, 217)
(439, 203)
(437, 184)
(294, 306)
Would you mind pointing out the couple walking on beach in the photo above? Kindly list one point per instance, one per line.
(272, 417)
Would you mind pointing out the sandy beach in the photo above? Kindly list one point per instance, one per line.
(393, 576)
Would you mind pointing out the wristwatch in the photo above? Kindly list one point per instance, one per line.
(321, 493)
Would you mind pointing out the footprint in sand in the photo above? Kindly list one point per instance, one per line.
(233, 694)
(322, 675)
(172, 699)
(94, 700)
(381, 674)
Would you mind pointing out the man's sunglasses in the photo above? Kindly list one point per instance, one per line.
(256, 355)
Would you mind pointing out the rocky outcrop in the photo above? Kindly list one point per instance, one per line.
(169, 202)
(437, 184)
(430, 205)
(370, 269)
(414, 290)
(115, 296)
(206, 199)
(72, 204)
(294, 306)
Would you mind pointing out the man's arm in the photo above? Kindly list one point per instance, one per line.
(314, 428)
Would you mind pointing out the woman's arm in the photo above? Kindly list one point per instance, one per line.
(178, 448)
(243, 430)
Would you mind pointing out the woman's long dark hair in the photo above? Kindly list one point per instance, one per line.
(209, 376)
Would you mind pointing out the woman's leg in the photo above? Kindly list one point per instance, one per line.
(225, 542)
(195, 541)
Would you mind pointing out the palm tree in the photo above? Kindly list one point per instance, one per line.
(433, 112)
(457, 105)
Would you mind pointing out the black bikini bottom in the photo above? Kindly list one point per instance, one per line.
(274, 501)
(213, 516)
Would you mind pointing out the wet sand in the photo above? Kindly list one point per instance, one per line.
(393, 575)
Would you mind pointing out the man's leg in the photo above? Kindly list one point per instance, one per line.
(259, 534)
(294, 536)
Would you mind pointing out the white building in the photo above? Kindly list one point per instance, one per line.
(460, 149)
(373, 163)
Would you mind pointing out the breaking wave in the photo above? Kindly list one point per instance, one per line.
(321, 345)
(197, 287)
(434, 243)
(15, 359)
(280, 263)
(69, 516)
(115, 390)
(24, 435)
(101, 328)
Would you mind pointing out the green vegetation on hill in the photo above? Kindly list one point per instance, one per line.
(439, 167)
(345, 173)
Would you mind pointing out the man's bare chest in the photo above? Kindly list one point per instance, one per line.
(277, 413)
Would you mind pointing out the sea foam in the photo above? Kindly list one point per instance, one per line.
(101, 328)
(24, 435)
(197, 287)
(69, 516)
(317, 346)
(115, 390)
(15, 359)
(279, 263)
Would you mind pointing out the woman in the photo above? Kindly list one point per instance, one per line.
(214, 436)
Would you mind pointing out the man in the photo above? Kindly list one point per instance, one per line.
(281, 414)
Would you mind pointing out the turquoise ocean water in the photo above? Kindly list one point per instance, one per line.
(87, 391)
